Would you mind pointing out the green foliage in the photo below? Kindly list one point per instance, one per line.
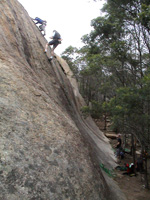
(113, 66)
(144, 16)
(95, 110)
(85, 111)
(130, 110)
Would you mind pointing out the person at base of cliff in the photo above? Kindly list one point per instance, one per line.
(56, 40)
(129, 169)
(42, 27)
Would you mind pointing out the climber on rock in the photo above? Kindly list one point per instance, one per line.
(42, 27)
(56, 40)
(39, 21)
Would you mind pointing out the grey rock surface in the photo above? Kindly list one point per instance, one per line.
(48, 151)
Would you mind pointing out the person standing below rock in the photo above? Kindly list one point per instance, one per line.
(56, 40)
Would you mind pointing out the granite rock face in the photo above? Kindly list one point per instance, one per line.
(48, 151)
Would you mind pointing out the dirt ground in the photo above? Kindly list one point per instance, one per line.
(133, 187)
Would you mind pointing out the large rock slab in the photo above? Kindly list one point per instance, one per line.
(47, 149)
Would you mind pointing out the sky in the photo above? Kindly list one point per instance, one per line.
(71, 18)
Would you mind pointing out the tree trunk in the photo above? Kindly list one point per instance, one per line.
(146, 173)
(105, 116)
(133, 152)
(105, 122)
